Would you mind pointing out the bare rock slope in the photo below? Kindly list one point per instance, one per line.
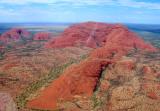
(112, 42)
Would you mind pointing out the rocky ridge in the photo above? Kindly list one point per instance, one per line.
(112, 43)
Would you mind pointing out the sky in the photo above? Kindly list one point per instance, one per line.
(116, 11)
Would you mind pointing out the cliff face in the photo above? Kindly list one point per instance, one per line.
(112, 42)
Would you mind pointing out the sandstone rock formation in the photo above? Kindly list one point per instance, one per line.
(42, 36)
(112, 42)
(14, 35)
(93, 34)
(78, 79)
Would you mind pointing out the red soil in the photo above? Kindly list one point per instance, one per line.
(8, 66)
(152, 95)
(14, 35)
(104, 86)
(81, 79)
(147, 70)
(127, 64)
(42, 36)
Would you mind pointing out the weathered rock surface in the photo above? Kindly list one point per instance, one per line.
(78, 79)
(94, 34)
(115, 41)
(42, 36)
(14, 34)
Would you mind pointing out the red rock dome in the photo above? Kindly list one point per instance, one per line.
(112, 42)
(14, 35)
(94, 34)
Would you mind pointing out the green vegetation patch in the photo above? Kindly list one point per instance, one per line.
(98, 102)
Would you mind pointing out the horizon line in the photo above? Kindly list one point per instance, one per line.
(75, 23)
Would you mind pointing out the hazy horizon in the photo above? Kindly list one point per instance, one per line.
(51, 23)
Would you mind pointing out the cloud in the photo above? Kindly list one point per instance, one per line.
(24, 2)
(123, 3)
(79, 10)
(126, 3)
(135, 4)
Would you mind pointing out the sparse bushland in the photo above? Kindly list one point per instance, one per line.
(2, 74)
(97, 102)
(83, 57)
(38, 110)
(43, 82)
(22, 99)
(2, 55)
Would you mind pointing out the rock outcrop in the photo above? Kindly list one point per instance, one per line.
(42, 36)
(90, 34)
(78, 79)
(94, 35)
(112, 42)
(14, 34)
